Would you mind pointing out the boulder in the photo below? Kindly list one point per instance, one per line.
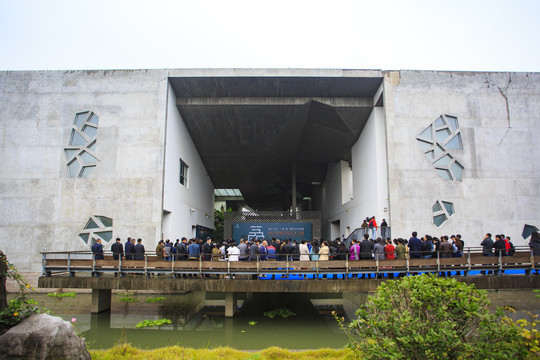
(42, 336)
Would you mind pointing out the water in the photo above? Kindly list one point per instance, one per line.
(198, 321)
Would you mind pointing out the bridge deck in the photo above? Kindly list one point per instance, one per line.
(77, 263)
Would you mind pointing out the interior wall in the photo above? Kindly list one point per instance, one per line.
(192, 204)
(369, 182)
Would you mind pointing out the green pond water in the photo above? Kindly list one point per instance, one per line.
(198, 319)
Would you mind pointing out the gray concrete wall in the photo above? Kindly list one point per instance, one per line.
(499, 117)
(41, 208)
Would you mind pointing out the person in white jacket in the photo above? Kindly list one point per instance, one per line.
(234, 252)
(304, 251)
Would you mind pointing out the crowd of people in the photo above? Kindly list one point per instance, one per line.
(281, 250)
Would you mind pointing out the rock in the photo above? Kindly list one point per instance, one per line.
(42, 336)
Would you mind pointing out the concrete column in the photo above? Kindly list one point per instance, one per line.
(293, 187)
(101, 300)
(231, 305)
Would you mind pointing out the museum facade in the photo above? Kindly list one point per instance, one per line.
(146, 153)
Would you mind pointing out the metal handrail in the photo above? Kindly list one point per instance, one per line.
(411, 265)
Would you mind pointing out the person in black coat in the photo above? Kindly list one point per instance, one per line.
(366, 247)
(117, 249)
(128, 248)
(207, 250)
(415, 246)
(139, 250)
(97, 250)
(534, 244)
(500, 245)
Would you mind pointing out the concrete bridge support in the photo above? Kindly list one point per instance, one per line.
(101, 300)
(231, 304)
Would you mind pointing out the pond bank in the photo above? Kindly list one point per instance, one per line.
(126, 351)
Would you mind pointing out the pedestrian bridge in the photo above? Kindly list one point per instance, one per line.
(82, 270)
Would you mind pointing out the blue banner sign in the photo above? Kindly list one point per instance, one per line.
(252, 231)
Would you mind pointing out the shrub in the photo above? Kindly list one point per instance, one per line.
(427, 317)
(21, 307)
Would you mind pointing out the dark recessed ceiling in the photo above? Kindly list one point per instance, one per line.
(249, 130)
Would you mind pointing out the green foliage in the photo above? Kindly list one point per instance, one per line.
(427, 317)
(150, 323)
(21, 307)
(281, 312)
(527, 329)
(128, 299)
(62, 294)
(156, 299)
(252, 323)
(219, 219)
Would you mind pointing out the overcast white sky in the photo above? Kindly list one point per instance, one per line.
(116, 34)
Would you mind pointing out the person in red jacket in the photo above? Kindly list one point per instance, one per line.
(373, 227)
(389, 250)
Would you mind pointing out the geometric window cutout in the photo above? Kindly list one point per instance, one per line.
(80, 119)
(93, 119)
(445, 174)
(107, 222)
(426, 134)
(453, 122)
(77, 139)
(449, 207)
(437, 141)
(84, 237)
(105, 235)
(90, 131)
(73, 168)
(87, 158)
(71, 153)
(86, 171)
(437, 207)
(97, 227)
(438, 150)
(82, 137)
(444, 161)
(457, 170)
(438, 220)
(442, 134)
(425, 145)
(455, 143)
(439, 122)
(91, 224)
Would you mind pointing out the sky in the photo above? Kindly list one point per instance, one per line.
(468, 35)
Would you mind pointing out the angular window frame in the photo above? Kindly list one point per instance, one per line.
(183, 173)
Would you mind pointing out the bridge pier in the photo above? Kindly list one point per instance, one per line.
(101, 300)
(231, 304)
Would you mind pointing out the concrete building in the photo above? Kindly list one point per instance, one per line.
(86, 154)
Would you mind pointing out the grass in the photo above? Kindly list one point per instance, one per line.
(126, 351)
